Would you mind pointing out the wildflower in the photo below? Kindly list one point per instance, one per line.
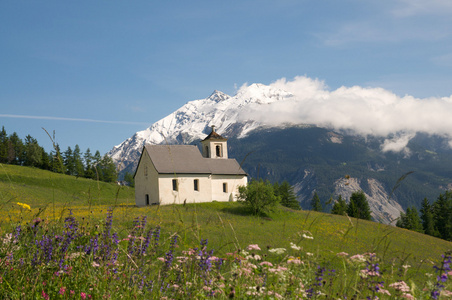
(307, 236)
(62, 290)
(400, 286)
(266, 263)
(23, 205)
(83, 295)
(44, 295)
(309, 254)
(408, 296)
(295, 247)
(358, 258)
(342, 254)
(277, 250)
(253, 247)
(295, 261)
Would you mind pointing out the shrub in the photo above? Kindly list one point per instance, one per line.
(258, 196)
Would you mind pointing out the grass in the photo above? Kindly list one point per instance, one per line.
(104, 215)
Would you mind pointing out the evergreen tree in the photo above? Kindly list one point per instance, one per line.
(108, 169)
(3, 146)
(97, 167)
(427, 217)
(286, 194)
(410, 220)
(78, 163)
(339, 207)
(56, 162)
(442, 209)
(358, 207)
(68, 161)
(33, 152)
(128, 177)
(45, 160)
(315, 203)
(15, 150)
(89, 170)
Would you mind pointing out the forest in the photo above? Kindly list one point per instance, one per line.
(28, 152)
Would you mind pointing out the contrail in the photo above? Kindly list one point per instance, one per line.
(70, 119)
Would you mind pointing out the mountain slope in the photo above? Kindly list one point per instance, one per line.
(313, 159)
(193, 120)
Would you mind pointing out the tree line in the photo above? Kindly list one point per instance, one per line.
(435, 218)
(357, 207)
(28, 152)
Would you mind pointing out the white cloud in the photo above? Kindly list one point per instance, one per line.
(397, 143)
(365, 111)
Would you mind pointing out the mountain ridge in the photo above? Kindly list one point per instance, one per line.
(371, 160)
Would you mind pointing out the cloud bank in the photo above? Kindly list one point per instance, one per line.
(364, 111)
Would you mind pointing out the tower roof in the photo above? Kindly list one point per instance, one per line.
(214, 136)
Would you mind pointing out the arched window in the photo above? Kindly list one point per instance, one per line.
(218, 150)
(147, 199)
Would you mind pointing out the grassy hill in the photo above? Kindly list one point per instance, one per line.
(227, 227)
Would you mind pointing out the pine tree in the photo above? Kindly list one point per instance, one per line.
(410, 220)
(57, 161)
(358, 207)
(3, 146)
(428, 221)
(442, 209)
(128, 177)
(287, 195)
(108, 169)
(78, 163)
(68, 161)
(315, 203)
(88, 159)
(33, 152)
(339, 207)
(15, 150)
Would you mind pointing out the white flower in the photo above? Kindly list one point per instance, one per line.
(277, 250)
(295, 247)
(307, 237)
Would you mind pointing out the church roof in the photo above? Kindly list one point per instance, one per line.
(215, 136)
(186, 159)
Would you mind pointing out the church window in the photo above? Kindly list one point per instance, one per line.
(196, 184)
(225, 187)
(175, 185)
(218, 150)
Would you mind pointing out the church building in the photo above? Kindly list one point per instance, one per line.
(176, 174)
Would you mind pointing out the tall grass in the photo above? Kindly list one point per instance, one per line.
(100, 250)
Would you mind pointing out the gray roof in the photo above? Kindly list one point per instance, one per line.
(186, 159)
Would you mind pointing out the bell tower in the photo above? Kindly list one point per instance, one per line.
(214, 146)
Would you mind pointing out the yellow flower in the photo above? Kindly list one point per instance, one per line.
(26, 206)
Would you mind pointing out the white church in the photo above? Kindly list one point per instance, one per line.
(176, 174)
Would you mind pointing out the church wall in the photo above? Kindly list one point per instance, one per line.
(146, 182)
(232, 183)
(185, 188)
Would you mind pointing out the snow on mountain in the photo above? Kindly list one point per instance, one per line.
(193, 120)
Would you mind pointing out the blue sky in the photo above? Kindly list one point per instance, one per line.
(96, 72)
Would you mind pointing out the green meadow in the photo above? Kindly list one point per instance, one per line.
(312, 237)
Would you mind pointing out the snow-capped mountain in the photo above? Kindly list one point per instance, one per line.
(259, 120)
(193, 120)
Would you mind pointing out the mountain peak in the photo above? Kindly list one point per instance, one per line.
(218, 96)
